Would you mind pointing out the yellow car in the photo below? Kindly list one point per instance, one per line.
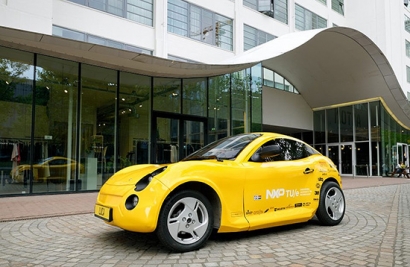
(49, 168)
(239, 183)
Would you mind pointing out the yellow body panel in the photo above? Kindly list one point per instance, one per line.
(143, 218)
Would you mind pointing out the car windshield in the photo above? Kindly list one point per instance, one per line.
(225, 148)
(44, 161)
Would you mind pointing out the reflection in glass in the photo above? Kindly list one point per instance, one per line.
(133, 119)
(240, 101)
(332, 119)
(166, 142)
(362, 159)
(346, 152)
(55, 125)
(218, 108)
(167, 94)
(346, 124)
(194, 96)
(319, 128)
(333, 154)
(98, 125)
(16, 96)
(361, 117)
(256, 96)
(193, 137)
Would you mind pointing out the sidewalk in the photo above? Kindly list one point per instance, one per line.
(31, 207)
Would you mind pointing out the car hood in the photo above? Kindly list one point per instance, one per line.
(131, 175)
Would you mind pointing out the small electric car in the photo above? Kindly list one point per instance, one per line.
(239, 183)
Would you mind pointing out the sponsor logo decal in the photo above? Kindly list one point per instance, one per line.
(257, 197)
(255, 212)
(305, 192)
(304, 204)
(275, 193)
(281, 192)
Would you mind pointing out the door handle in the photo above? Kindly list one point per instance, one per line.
(307, 171)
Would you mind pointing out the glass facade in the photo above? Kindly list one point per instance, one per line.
(67, 126)
(361, 139)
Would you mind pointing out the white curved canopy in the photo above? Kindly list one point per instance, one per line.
(333, 66)
(328, 66)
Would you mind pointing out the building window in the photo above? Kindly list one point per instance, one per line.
(277, 9)
(407, 23)
(254, 37)
(275, 80)
(80, 36)
(408, 73)
(175, 58)
(137, 10)
(338, 6)
(323, 2)
(200, 24)
(407, 48)
(307, 20)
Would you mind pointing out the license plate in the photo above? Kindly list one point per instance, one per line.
(102, 212)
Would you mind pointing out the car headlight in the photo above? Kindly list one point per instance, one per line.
(144, 182)
(131, 202)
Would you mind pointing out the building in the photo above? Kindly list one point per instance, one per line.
(91, 86)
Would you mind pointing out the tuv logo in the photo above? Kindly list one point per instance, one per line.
(275, 193)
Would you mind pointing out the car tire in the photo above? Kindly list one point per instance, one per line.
(185, 221)
(332, 204)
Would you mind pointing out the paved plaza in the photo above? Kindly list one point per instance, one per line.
(374, 232)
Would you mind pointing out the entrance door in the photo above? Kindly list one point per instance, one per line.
(401, 150)
(342, 155)
(175, 137)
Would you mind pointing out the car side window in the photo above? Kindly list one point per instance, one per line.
(255, 157)
(292, 150)
(58, 162)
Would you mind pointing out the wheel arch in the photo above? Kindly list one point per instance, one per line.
(208, 192)
(332, 179)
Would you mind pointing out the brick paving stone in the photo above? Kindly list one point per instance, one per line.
(374, 232)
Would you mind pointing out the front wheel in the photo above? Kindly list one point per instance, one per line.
(185, 221)
(332, 204)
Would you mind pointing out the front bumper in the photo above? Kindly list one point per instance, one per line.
(144, 217)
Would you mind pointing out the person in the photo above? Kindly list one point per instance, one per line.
(403, 168)
(400, 169)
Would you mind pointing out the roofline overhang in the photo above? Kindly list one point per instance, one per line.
(287, 54)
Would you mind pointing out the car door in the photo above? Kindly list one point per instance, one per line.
(280, 190)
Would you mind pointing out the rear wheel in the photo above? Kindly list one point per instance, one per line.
(331, 204)
(185, 221)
